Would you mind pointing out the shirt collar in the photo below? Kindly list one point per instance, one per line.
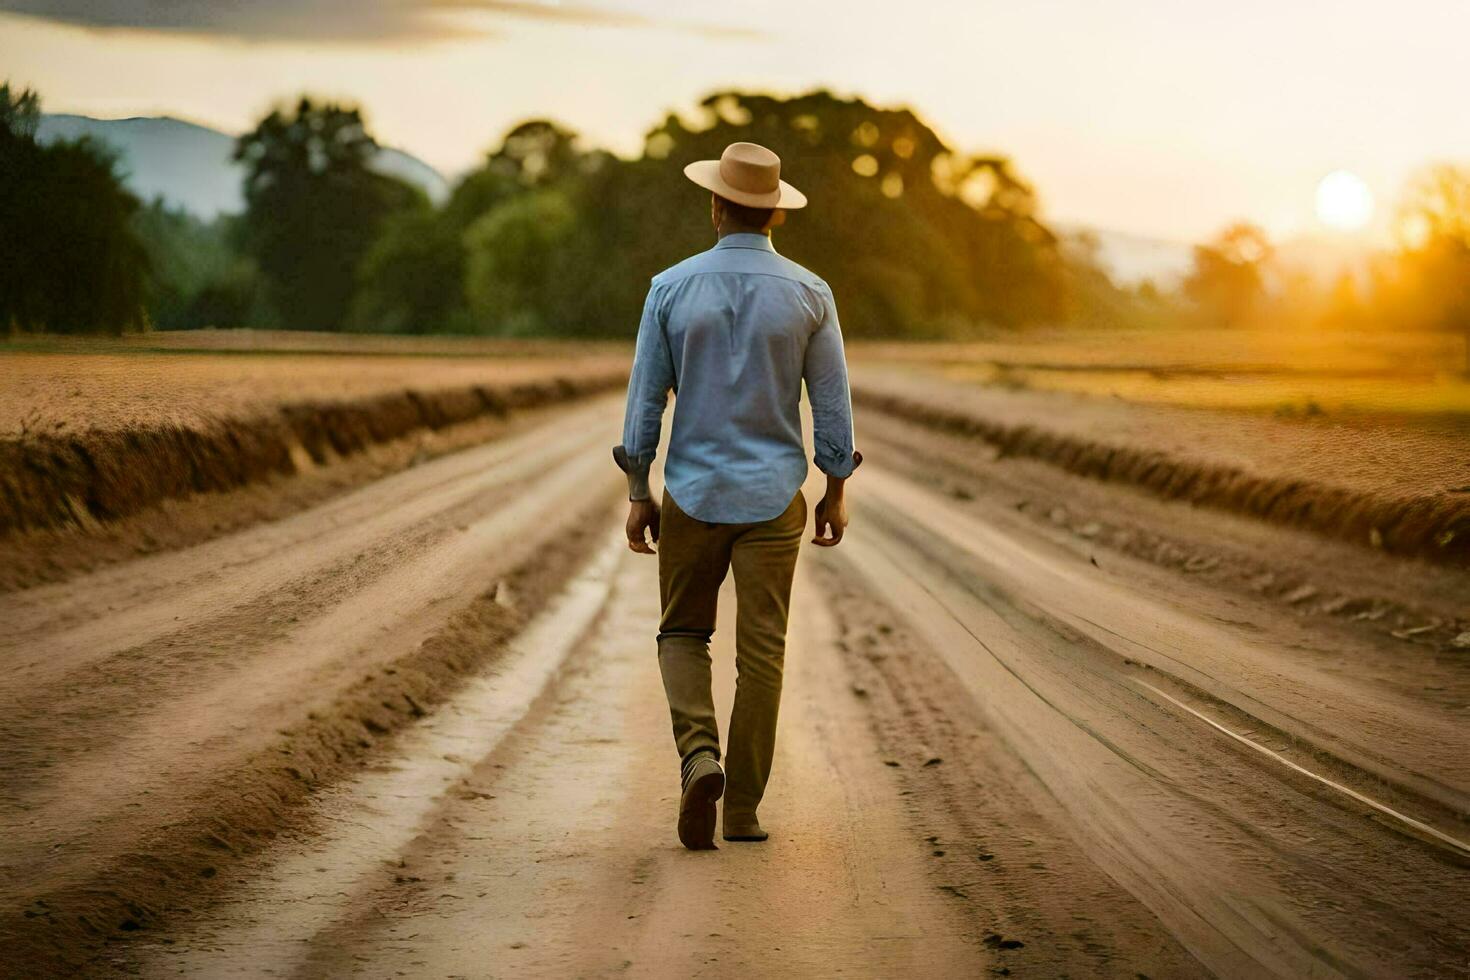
(744, 239)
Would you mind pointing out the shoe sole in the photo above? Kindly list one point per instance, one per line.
(748, 838)
(697, 811)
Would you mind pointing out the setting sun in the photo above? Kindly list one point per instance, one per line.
(1344, 201)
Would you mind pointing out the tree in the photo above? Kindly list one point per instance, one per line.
(907, 253)
(915, 238)
(197, 274)
(956, 236)
(1437, 205)
(1227, 282)
(537, 153)
(314, 208)
(512, 274)
(412, 278)
(20, 112)
(1434, 266)
(69, 260)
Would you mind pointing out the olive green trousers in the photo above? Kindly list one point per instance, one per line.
(693, 559)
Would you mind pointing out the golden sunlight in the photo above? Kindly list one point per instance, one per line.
(1344, 201)
(1156, 320)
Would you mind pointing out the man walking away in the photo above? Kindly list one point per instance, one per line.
(733, 332)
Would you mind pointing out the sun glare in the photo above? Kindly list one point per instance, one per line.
(1344, 201)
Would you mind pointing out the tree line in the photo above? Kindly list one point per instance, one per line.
(549, 237)
(1237, 280)
(544, 237)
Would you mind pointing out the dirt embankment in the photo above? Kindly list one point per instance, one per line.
(55, 480)
(1433, 525)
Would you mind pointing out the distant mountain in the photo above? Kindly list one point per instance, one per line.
(189, 165)
(1321, 257)
(1130, 258)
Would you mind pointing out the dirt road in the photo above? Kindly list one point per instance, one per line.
(419, 731)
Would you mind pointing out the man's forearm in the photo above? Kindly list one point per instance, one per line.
(837, 485)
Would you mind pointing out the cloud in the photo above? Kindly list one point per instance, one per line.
(582, 14)
(342, 20)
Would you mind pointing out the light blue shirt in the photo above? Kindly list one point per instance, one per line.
(733, 332)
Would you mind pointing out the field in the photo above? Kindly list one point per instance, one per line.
(1413, 378)
(105, 431)
(325, 656)
(1357, 436)
(1382, 415)
(1418, 376)
(61, 384)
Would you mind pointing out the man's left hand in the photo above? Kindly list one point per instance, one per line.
(642, 522)
(831, 520)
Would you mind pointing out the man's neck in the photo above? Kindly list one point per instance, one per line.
(723, 231)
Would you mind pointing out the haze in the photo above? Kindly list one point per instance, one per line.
(1163, 118)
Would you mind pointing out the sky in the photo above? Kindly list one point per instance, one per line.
(1167, 118)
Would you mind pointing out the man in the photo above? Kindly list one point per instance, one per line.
(733, 332)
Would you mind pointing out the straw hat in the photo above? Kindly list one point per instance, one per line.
(749, 174)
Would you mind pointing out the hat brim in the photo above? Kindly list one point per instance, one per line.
(706, 173)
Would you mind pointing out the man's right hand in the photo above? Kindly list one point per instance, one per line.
(642, 522)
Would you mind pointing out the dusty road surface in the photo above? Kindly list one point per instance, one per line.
(418, 731)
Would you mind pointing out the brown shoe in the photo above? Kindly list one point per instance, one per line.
(704, 784)
(744, 827)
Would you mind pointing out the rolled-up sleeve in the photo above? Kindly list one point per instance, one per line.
(825, 371)
(648, 395)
